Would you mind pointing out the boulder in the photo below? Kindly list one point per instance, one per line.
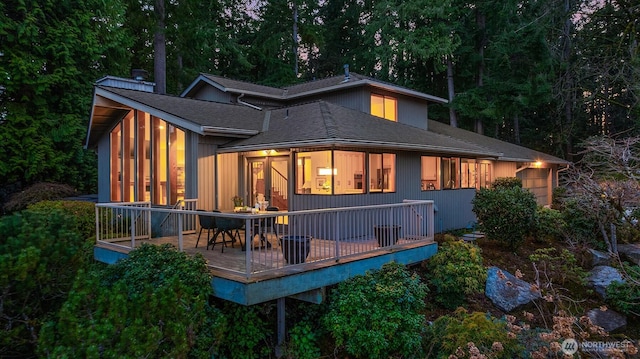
(508, 292)
(600, 277)
(608, 319)
(630, 251)
(599, 258)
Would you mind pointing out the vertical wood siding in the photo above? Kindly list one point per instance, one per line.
(206, 174)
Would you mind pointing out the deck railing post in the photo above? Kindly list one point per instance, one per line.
(132, 225)
(336, 235)
(248, 239)
(180, 232)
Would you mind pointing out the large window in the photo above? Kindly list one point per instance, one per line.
(344, 172)
(147, 160)
(452, 172)
(385, 107)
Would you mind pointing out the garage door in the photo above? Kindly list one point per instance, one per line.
(537, 180)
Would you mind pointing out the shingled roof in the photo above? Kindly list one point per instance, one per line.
(322, 123)
(510, 151)
(301, 90)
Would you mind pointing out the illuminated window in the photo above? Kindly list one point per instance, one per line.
(344, 172)
(384, 106)
(147, 160)
(430, 173)
(382, 172)
(468, 171)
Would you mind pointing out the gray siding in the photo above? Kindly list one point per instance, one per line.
(356, 99)
(412, 112)
(104, 158)
(206, 175)
(209, 93)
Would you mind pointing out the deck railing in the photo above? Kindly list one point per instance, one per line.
(290, 239)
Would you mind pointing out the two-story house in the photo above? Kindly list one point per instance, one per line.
(341, 141)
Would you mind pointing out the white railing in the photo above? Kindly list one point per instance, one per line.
(291, 239)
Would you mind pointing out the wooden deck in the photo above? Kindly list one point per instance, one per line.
(269, 263)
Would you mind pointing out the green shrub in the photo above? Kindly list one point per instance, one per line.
(506, 214)
(507, 182)
(38, 192)
(580, 224)
(453, 334)
(455, 272)
(84, 213)
(302, 342)
(379, 314)
(549, 225)
(152, 304)
(247, 332)
(559, 268)
(40, 254)
(625, 297)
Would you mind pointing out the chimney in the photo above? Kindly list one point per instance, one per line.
(346, 72)
(139, 74)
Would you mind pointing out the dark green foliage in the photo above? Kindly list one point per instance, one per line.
(450, 332)
(507, 182)
(247, 332)
(625, 297)
(549, 225)
(83, 212)
(52, 51)
(378, 315)
(303, 342)
(455, 272)
(581, 223)
(559, 268)
(40, 253)
(43, 191)
(152, 304)
(506, 214)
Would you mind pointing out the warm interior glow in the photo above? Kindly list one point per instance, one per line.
(326, 171)
(537, 164)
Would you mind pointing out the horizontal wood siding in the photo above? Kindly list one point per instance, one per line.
(454, 206)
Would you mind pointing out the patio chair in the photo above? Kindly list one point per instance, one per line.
(227, 226)
(264, 224)
(206, 222)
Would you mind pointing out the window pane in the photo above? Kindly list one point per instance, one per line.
(450, 173)
(468, 173)
(314, 172)
(389, 172)
(348, 172)
(160, 161)
(375, 172)
(176, 164)
(430, 179)
(144, 156)
(116, 163)
(377, 105)
(390, 108)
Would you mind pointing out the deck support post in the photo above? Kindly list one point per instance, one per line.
(281, 326)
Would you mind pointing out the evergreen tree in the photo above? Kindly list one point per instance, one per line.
(51, 54)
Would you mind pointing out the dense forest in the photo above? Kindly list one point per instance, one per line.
(545, 74)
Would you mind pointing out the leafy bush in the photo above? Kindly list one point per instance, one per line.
(456, 271)
(549, 225)
(559, 268)
(461, 333)
(625, 297)
(506, 214)
(378, 315)
(152, 304)
(580, 224)
(84, 213)
(302, 342)
(43, 191)
(40, 254)
(507, 182)
(246, 333)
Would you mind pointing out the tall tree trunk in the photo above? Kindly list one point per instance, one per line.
(295, 37)
(516, 129)
(160, 49)
(481, 20)
(453, 116)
